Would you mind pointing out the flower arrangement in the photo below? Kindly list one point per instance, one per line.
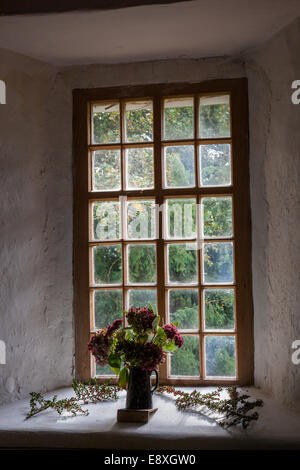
(143, 343)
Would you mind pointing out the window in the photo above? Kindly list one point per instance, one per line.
(162, 216)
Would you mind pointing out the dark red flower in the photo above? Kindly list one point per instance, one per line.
(114, 326)
(141, 319)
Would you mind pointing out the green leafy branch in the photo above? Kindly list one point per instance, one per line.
(85, 393)
(236, 409)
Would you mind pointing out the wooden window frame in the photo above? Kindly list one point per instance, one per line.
(240, 190)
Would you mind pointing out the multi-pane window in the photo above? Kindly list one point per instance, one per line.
(162, 226)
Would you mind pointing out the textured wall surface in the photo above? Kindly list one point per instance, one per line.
(275, 195)
(36, 232)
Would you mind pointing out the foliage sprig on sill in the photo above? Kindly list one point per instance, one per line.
(85, 393)
(235, 410)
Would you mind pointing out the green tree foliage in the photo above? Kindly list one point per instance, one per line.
(219, 309)
(215, 165)
(179, 122)
(186, 360)
(214, 121)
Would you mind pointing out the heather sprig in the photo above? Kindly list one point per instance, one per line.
(234, 410)
(85, 393)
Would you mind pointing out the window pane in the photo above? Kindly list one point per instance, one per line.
(106, 370)
(216, 216)
(214, 117)
(139, 121)
(178, 118)
(106, 220)
(181, 218)
(179, 166)
(215, 166)
(182, 263)
(106, 170)
(219, 309)
(185, 361)
(107, 262)
(107, 306)
(141, 264)
(140, 168)
(142, 297)
(183, 308)
(141, 219)
(106, 123)
(220, 356)
(218, 263)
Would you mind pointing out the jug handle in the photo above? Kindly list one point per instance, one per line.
(156, 383)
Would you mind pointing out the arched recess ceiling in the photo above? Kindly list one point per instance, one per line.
(189, 29)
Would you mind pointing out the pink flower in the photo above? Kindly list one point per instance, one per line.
(173, 334)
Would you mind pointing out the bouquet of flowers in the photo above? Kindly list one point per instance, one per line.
(143, 343)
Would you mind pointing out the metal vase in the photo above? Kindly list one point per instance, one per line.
(139, 392)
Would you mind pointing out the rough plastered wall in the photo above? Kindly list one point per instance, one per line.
(275, 199)
(36, 232)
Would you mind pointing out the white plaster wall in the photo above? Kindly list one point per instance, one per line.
(275, 199)
(35, 232)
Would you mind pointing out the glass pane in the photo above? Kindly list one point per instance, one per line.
(218, 263)
(220, 356)
(140, 169)
(179, 166)
(181, 218)
(106, 220)
(141, 219)
(106, 170)
(216, 216)
(185, 361)
(107, 306)
(182, 263)
(183, 308)
(215, 166)
(106, 370)
(219, 309)
(139, 121)
(107, 262)
(141, 264)
(142, 297)
(106, 123)
(214, 117)
(178, 118)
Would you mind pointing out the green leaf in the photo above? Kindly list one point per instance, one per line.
(116, 370)
(123, 377)
(155, 322)
(169, 347)
(160, 333)
(114, 361)
(175, 323)
(129, 335)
